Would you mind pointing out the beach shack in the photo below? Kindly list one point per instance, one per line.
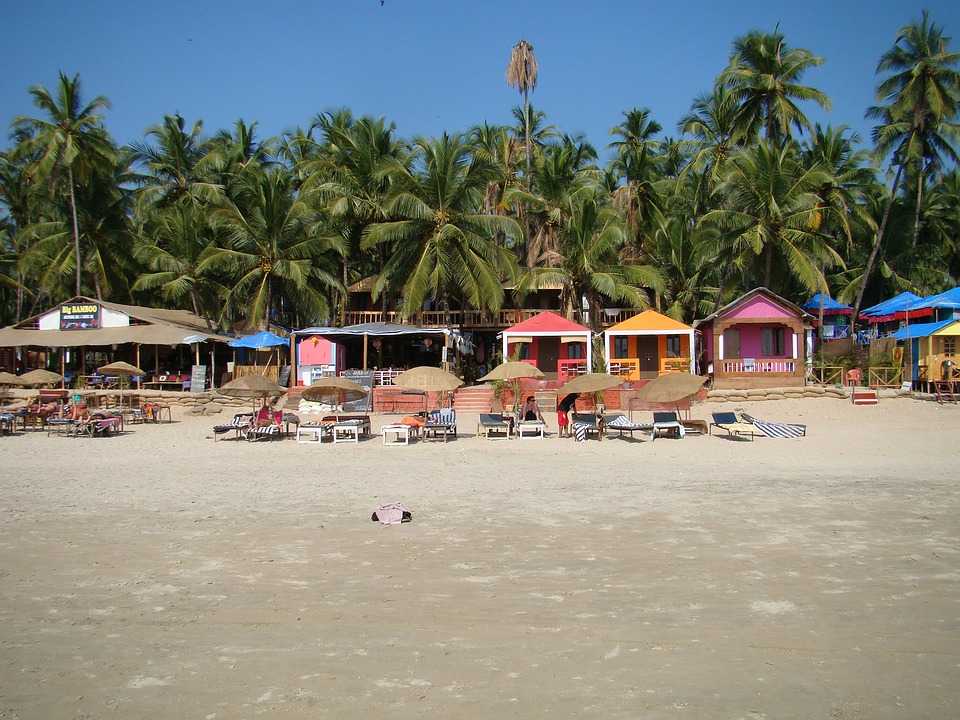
(757, 341)
(931, 351)
(836, 316)
(884, 318)
(648, 345)
(560, 348)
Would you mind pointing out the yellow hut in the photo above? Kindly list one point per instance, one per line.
(648, 345)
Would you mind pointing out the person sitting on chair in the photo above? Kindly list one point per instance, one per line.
(531, 411)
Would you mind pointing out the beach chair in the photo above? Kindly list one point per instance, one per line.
(622, 424)
(363, 420)
(774, 429)
(583, 425)
(667, 422)
(729, 423)
(441, 423)
(241, 421)
(490, 426)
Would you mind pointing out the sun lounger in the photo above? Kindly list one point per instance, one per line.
(441, 423)
(729, 422)
(622, 424)
(6, 423)
(776, 430)
(241, 421)
(667, 422)
(364, 420)
(490, 426)
(585, 424)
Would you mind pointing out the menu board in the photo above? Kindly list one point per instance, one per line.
(364, 378)
(79, 316)
(198, 378)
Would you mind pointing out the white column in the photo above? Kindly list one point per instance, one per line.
(606, 348)
(693, 355)
(589, 352)
(794, 335)
(719, 347)
(505, 355)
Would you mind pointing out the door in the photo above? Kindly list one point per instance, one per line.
(647, 352)
(548, 352)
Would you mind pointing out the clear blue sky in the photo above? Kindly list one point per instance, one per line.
(427, 65)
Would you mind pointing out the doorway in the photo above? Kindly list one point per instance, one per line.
(548, 352)
(648, 353)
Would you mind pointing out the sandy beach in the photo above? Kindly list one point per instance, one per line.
(161, 575)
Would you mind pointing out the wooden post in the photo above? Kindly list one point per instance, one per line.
(364, 351)
(293, 361)
(212, 364)
(197, 353)
(63, 368)
(139, 377)
(156, 361)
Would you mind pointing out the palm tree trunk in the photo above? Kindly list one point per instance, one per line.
(916, 212)
(768, 266)
(876, 247)
(526, 132)
(76, 227)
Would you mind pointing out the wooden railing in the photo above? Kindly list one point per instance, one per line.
(473, 319)
(628, 368)
(884, 377)
(674, 365)
(827, 374)
(741, 366)
(569, 369)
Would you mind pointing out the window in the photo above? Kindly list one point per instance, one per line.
(673, 346)
(950, 346)
(731, 343)
(523, 351)
(621, 347)
(771, 342)
(575, 351)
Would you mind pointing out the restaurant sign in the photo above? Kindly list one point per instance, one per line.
(79, 316)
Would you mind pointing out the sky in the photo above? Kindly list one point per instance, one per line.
(428, 65)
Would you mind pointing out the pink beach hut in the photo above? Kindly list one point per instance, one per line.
(759, 340)
(557, 346)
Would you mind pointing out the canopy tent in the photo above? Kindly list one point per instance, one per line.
(539, 332)
(830, 306)
(649, 323)
(927, 306)
(886, 310)
(258, 341)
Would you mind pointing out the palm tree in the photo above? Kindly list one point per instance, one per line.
(72, 139)
(522, 74)
(764, 76)
(918, 122)
(637, 163)
(171, 248)
(274, 248)
(590, 265)
(770, 207)
(712, 121)
(442, 243)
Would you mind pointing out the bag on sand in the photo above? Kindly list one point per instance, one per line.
(392, 514)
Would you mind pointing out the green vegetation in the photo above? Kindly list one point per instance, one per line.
(246, 230)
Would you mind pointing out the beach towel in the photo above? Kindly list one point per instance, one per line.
(580, 431)
(392, 514)
(779, 430)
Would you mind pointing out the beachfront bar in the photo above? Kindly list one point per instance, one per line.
(559, 348)
(648, 345)
(757, 341)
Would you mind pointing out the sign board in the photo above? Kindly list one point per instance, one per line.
(198, 378)
(364, 378)
(79, 316)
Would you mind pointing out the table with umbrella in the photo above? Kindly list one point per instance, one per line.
(591, 383)
(672, 389)
(253, 387)
(341, 390)
(432, 379)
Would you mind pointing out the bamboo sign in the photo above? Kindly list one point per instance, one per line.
(79, 316)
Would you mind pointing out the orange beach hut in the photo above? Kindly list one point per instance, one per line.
(648, 345)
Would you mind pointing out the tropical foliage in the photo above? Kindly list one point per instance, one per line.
(247, 230)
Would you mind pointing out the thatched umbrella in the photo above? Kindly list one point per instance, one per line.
(253, 387)
(122, 369)
(671, 388)
(514, 370)
(590, 383)
(36, 378)
(428, 379)
(338, 388)
(10, 380)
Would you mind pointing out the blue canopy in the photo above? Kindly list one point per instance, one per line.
(948, 300)
(895, 304)
(259, 341)
(921, 330)
(829, 304)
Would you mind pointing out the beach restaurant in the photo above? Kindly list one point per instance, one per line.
(87, 333)
(648, 345)
(558, 347)
(757, 341)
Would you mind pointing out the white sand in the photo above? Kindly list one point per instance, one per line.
(162, 575)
